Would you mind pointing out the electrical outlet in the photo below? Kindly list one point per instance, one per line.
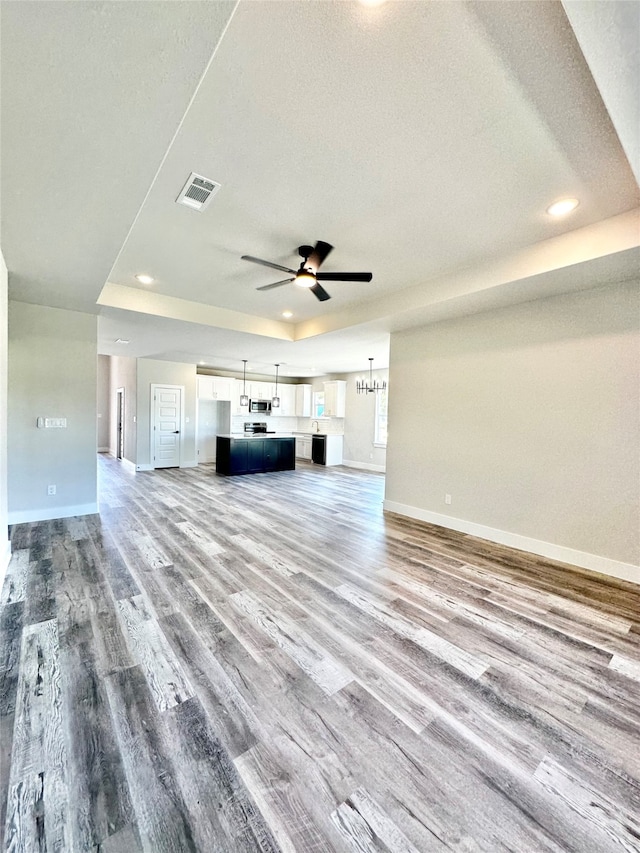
(51, 490)
(447, 499)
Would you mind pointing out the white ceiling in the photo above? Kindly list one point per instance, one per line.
(423, 140)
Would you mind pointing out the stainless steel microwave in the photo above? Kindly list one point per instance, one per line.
(262, 407)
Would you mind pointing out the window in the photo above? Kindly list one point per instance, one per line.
(381, 418)
(318, 404)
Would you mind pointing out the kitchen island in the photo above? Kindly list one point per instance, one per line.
(254, 454)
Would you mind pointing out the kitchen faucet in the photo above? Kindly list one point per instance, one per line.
(317, 425)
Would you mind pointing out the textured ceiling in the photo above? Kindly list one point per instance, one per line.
(423, 140)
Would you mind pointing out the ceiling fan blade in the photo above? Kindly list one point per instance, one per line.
(344, 276)
(275, 284)
(319, 292)
(319, 255)
(267, 264)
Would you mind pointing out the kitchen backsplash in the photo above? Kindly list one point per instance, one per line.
(331, 426)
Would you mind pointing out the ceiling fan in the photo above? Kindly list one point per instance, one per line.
(307, 275)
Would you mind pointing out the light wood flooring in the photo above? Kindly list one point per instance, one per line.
(268, 662)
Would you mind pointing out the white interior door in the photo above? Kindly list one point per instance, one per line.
(167, 425)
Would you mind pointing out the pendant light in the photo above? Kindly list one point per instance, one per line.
(370, 387)
(275, 400)
(244, 400)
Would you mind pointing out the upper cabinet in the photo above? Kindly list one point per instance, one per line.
(260, 390)
(222, 388)
(215, 388)
(287, 394)
(303, 401)
(335, 393)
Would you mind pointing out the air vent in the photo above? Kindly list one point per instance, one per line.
(198, 192)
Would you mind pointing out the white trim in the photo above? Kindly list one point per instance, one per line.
(24, 515)
(104, 450)
(126, 464)
(5, 559)
(144, 467)
(152, 423)
(593, 562)
(365, 466)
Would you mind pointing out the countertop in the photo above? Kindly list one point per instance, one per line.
(249, 437)
(309, 432)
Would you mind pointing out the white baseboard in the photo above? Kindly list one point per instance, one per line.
(190, 464)
(128, 465)
(364, 466)
(593, 562)
(25, 515)
(5, 558)
(104, 450)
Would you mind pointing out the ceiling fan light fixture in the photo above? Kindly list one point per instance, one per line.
(305, 278)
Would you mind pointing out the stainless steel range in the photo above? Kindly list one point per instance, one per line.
(255, 428)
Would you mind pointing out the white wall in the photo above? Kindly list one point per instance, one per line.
(103, 402)
(529, 418)
(52, 373)
(123, 374)
(151, 371)
(4, 513)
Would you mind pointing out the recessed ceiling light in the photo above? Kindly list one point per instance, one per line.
(371, 2)
(201, 362)
(562, 207)
(287, 314)
(122, 341)
(145, 279)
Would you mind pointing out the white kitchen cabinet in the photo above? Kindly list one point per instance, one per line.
(303, 401)
(205, 387)
(260, 390)
(215, 387)
(303, 446)
(335, 393)
(236, 391)
(222, 386)
(287, 394)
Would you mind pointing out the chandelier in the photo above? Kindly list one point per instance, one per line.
(370, 387)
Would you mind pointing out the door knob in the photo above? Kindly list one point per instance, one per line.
(176, 431)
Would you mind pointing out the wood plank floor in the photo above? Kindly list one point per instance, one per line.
(268, 663)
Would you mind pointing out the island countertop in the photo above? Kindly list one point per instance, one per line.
(251, 436)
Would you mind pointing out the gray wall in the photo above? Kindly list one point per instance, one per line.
(359, 424)
(4, 541)
(151, 371)
(122, 374)
(52, 373)
(103, 401)
(529, 418)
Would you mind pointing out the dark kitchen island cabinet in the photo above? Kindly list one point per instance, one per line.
(254, 455)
